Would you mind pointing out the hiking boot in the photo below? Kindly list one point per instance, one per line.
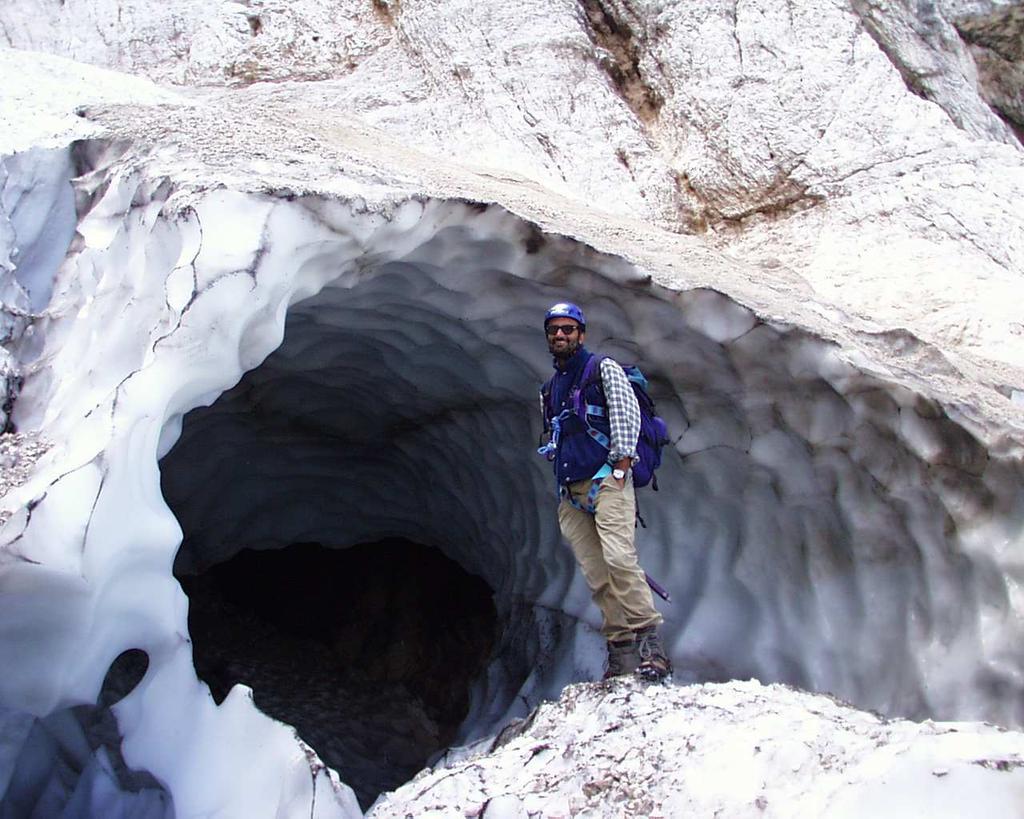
(622, 658)
(654, 663)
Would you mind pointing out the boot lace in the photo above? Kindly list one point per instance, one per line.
(649, 646)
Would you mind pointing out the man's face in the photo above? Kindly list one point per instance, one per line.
(565, 336)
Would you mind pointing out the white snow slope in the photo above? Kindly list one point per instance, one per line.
(738, 749)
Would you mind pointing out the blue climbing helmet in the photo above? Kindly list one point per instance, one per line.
(565, 309)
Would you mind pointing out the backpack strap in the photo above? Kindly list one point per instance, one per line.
(552, 422)
(591, 375)
(592, 372)
(551, 425)
(586, 379)
(545, 401)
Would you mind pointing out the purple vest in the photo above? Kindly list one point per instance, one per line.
(577, 455)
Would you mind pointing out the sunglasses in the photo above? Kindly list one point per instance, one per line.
(564, 329)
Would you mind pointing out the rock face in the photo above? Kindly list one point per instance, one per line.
(994, 33)
(336, 232)
(849, 145)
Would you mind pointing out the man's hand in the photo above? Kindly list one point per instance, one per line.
(624, 464)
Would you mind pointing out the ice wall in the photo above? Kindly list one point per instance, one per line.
(37, 223)
(37, 206)
(817, 524)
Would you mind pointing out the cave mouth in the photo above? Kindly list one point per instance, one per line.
(816, 525)
(369, 652)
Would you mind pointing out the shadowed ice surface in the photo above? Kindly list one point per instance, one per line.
(356, 378)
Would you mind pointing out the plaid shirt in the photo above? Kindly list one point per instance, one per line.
(623, 412)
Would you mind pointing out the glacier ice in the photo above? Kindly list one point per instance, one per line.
(286, 368)
(37, 207)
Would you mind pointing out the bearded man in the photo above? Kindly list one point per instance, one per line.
(593, 459)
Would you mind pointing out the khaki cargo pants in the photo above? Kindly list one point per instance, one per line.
(603, 545)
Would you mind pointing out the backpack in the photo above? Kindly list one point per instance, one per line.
(653, 429)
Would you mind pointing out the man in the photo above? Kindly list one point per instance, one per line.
(597, 510)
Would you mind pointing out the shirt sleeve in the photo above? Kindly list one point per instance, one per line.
(623, 412)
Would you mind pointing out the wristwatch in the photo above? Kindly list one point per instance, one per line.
(619, 474)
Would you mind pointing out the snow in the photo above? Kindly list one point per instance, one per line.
(732, 749)
(40, 112)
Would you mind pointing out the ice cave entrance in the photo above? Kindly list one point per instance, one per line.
(817, 525)
(351, 551)
(368, 652)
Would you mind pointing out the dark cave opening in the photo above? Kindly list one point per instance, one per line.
(369, 652)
